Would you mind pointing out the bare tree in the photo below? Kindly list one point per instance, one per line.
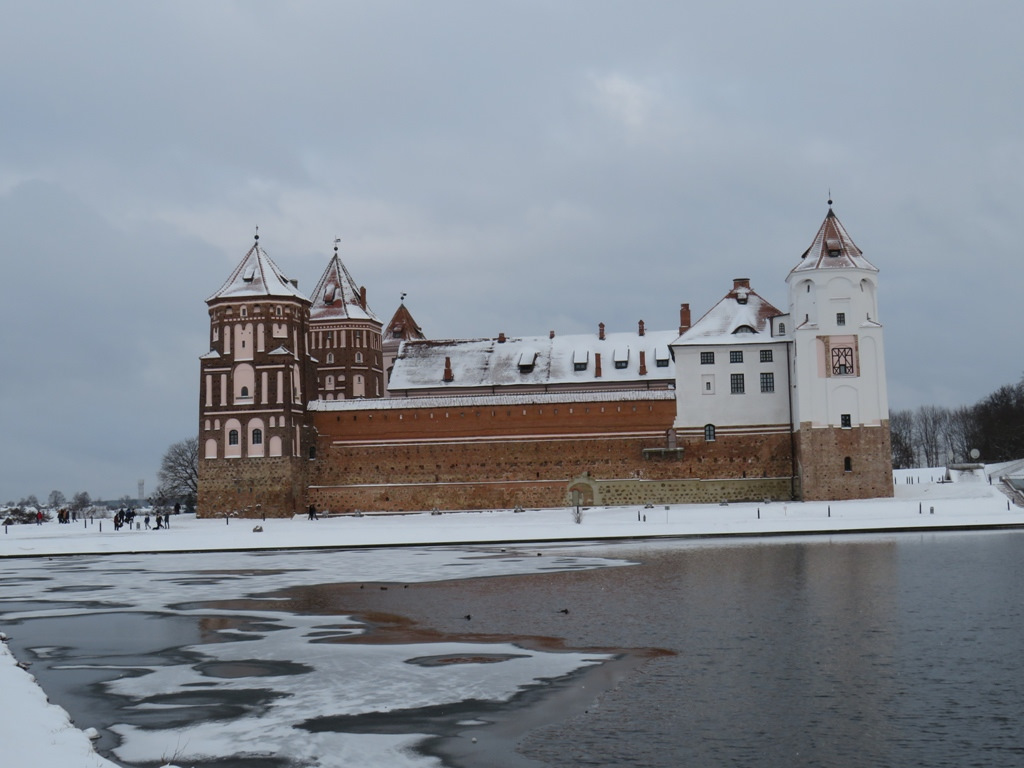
(929, 432)
(901, 431)
(56, 500)
(80, 501)
(179, 471)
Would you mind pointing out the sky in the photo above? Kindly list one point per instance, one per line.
(512, 167)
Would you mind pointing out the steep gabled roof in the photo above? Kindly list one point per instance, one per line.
(336, 296)
(833, 248)
(257, 276)
(740, 317)
(402, 326)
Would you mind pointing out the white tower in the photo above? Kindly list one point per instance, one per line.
(840, 404)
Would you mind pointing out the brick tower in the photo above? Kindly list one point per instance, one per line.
(840, 404)
(345, 337)
(255, 433)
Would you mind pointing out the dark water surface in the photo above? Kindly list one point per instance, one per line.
(903, 650)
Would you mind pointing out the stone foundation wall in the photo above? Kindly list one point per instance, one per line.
(821, 453)
(271, 487)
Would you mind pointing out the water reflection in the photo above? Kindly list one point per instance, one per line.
(855, 651)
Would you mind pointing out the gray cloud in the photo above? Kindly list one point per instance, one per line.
(513, 166)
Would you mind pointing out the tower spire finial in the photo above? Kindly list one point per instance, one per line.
(830, 198)
(257, 236)
(336, 241)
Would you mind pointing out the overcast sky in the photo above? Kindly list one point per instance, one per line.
(517, 167)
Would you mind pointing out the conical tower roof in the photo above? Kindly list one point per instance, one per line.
(833, 248)
(336, 296)
(403, 326)
(257, 276)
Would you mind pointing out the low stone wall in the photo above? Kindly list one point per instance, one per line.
(613, 493)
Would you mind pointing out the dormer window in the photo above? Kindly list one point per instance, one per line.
(621, 358)
(580, 358)
(744, 329)
(834, 246)
(250, 274)
(526, 360)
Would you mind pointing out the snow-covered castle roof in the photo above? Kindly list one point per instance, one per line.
(565, 361)
(257, 276)
(740, 317)
(336, 296)
(833, 248)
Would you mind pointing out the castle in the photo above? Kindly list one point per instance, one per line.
(312, 400)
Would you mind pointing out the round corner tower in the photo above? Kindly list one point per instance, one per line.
(255, 432)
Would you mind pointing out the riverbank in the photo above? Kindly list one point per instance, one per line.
(918, 504)
(36, 731)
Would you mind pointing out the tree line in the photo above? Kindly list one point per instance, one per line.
(932, 436)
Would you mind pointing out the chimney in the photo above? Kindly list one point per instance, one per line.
(448, 375)
(684, 318)
(501, 337)
(600, 331)
(551, 334)
(741, 282)
(640, 328)
(362, 296)
(597, 365)
(643, 359)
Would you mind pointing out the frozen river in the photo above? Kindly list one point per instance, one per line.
(902, 649)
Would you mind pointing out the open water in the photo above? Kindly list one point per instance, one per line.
(847, 651)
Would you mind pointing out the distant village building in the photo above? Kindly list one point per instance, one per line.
(313, 401)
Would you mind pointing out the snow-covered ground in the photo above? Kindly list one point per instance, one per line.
(41, 734)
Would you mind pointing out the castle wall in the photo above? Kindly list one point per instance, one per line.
(478, 457)
(257, 487)
(821, 455)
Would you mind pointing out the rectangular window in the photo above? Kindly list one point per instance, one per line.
(844, 421)
(622, 363)
(736, 356)
(663, 362)
(767, 382)
(707, 358)
(840, 318)
(579, 366)
(766, 355)
(842, 361)
(736, 384)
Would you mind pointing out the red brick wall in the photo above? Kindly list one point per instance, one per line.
(820, 458)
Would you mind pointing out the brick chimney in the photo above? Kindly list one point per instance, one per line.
(501, 337)
(643, 357)
(597, 365)
(684, 318)
(448, 375)
(362, 296)
(640, 328)
(741, 282)
(600, 331)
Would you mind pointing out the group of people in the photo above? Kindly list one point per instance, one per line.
(127, 517)
(63, 516)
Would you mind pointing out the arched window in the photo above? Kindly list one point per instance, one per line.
(257, 437)
(245, 392)
(330, 358)
(848, 464)
(359, 357)
(233, 437)
(709, 433)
